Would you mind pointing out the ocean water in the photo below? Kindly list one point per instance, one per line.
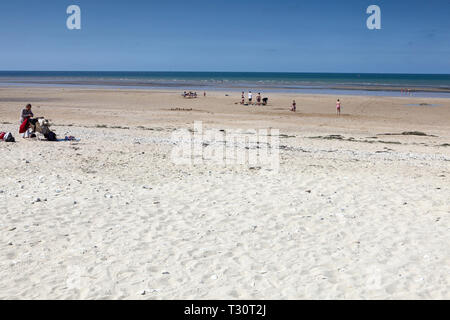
(339, 83)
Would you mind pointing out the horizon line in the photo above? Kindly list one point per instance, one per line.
(215, 71)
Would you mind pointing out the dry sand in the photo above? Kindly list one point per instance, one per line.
(355, 215)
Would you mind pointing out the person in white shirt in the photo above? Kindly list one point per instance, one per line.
(250, 97)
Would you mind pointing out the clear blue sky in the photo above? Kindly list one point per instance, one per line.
(226, 35)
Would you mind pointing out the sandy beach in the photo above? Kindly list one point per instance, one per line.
(358, 209)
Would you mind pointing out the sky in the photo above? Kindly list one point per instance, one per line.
(226, 35)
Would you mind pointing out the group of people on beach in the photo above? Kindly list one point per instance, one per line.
(263, 101)
(259, 100)
(407, 91)
(30, 126)
(191, 94)
(27, 126)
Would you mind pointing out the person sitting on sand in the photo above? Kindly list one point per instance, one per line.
(338, 107)
(294, 106)
(27, 114)
(264, 101)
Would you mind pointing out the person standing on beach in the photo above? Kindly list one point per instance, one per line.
(243, 98)
(258, 99)
(294, 106)
(250, 96)
(338, 107)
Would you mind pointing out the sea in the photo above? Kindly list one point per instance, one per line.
(378, 84)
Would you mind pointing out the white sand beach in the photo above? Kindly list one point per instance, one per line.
(357, 210)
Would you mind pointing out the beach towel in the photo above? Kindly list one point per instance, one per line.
(24, 126)
(69, 138)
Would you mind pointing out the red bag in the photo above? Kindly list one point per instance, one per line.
(24, 126)
(2, 134)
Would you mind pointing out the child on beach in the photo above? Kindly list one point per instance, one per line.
(338, 107)
(243, 98)
(294, 106)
